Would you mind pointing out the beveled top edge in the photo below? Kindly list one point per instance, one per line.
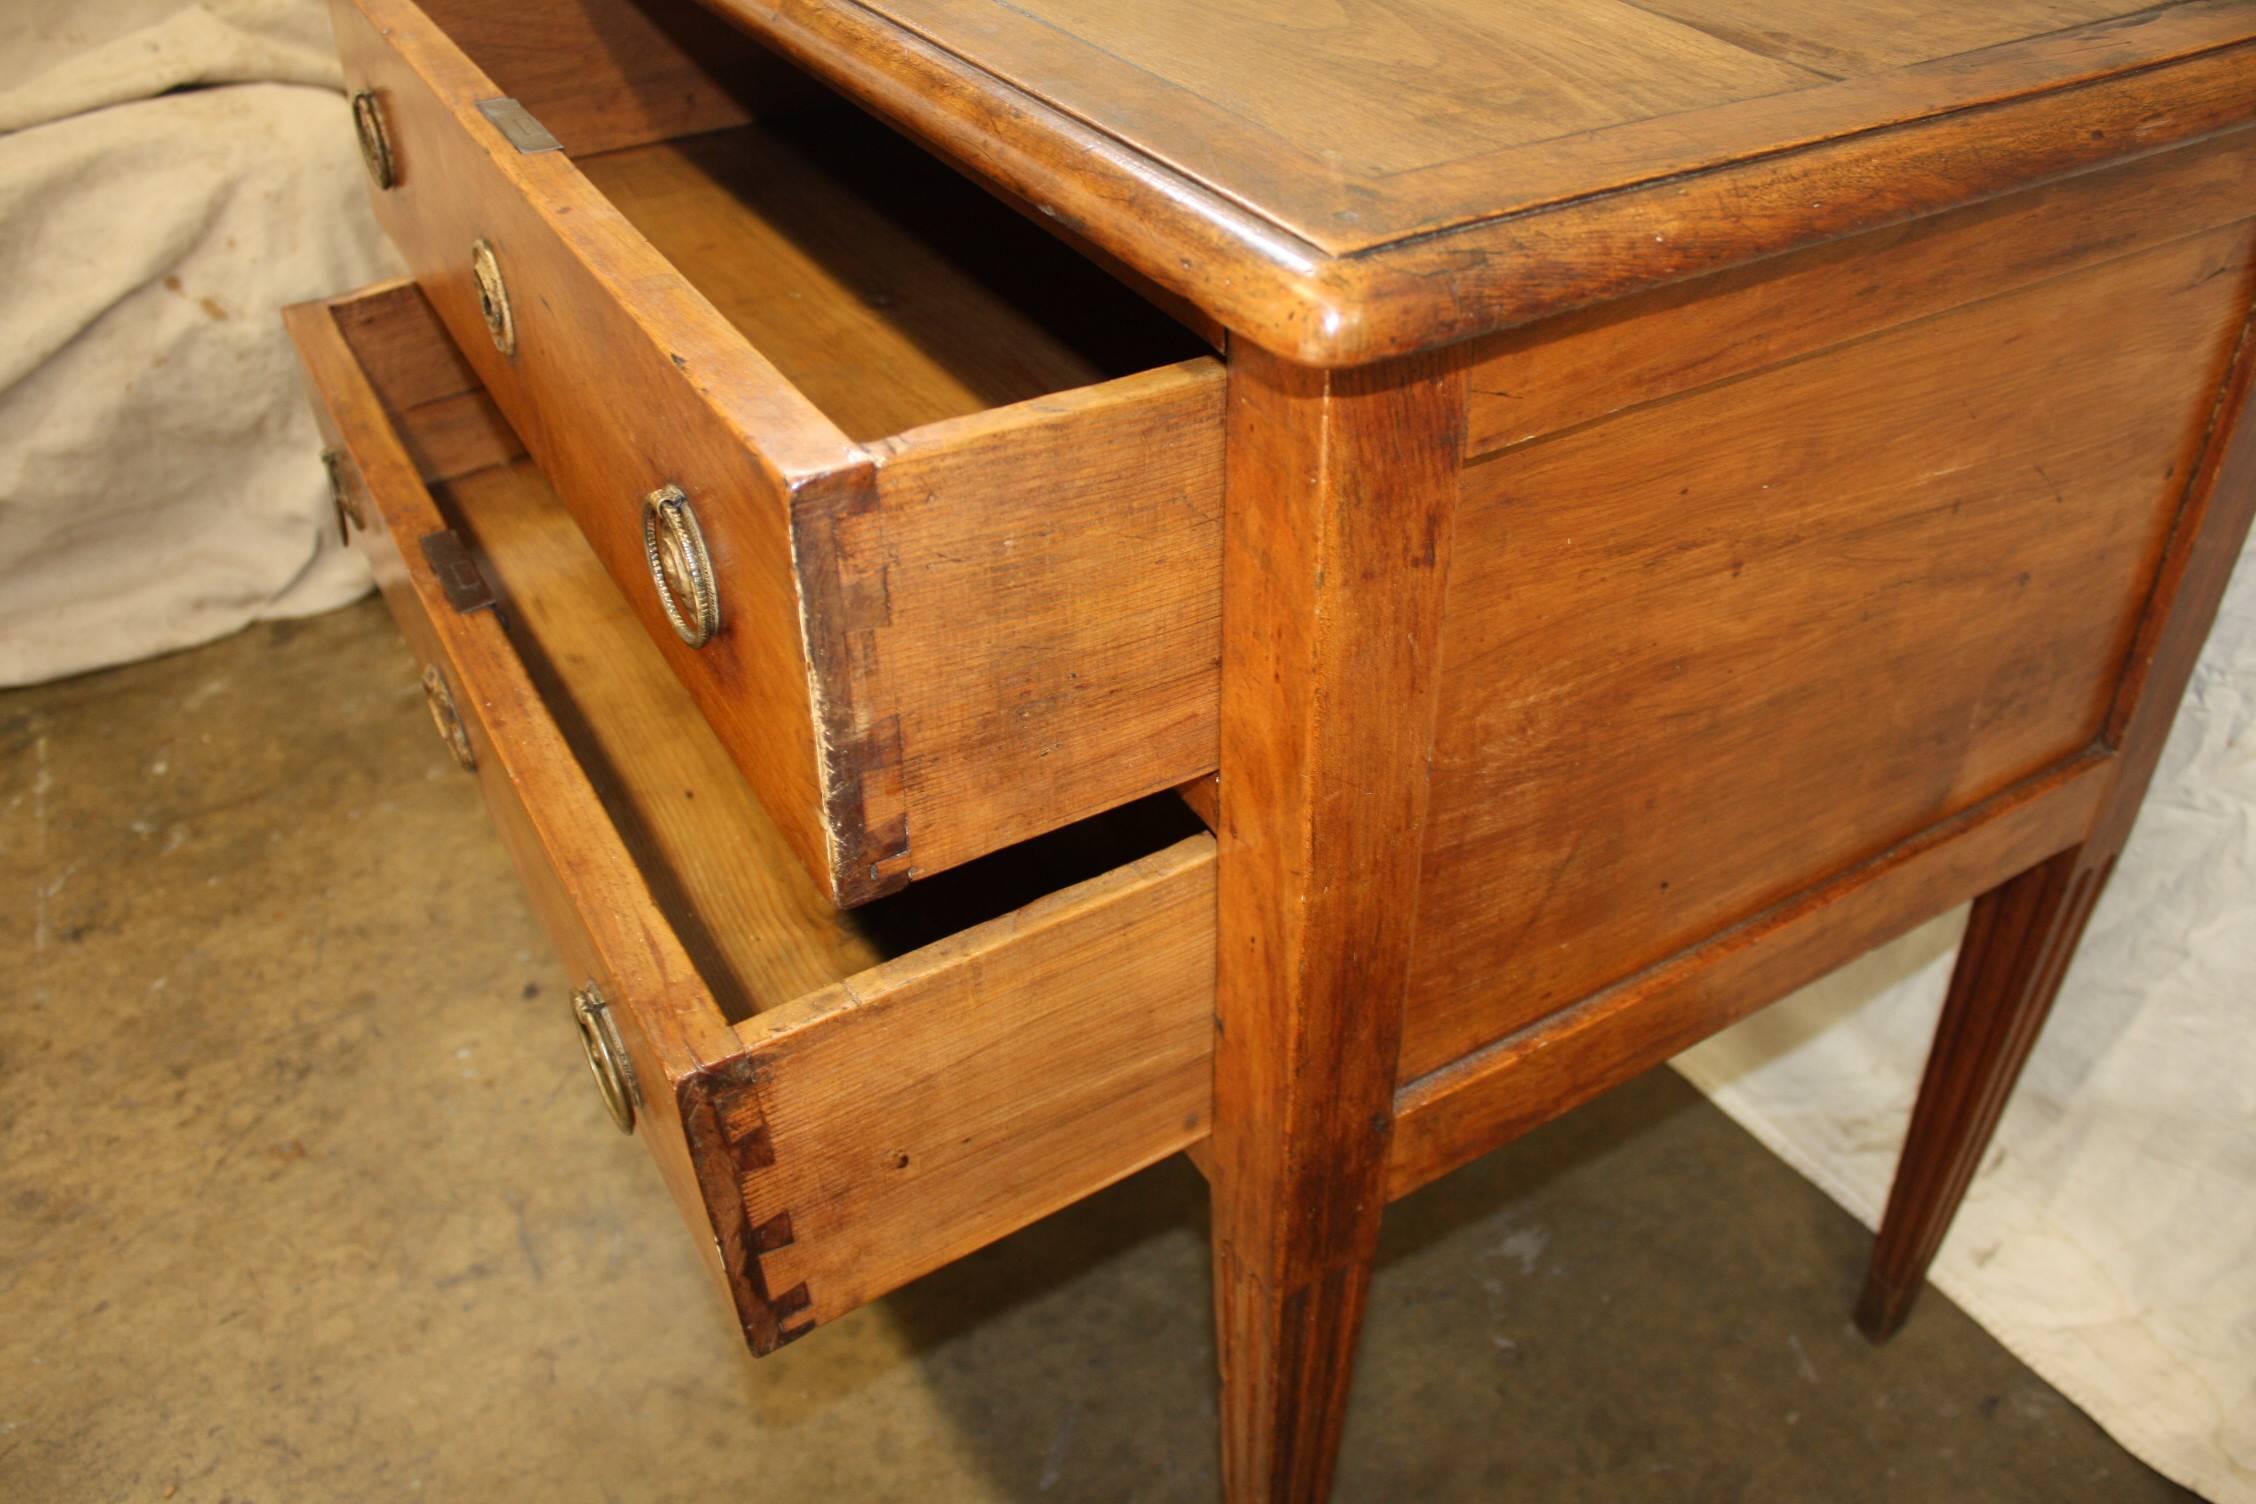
(1589, 218)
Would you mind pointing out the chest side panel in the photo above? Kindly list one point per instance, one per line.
(1712, 648)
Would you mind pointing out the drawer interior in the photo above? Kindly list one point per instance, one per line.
(891, 291)
(748, 913)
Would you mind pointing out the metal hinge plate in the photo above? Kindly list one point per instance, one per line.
(516, 123)
(457, 572)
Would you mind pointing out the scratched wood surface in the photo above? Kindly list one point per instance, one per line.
(910, 1105)
(1052, 590)
(693, 385)
(929, 1105)
(761, 930)
(1343, 488)
(1674, 633)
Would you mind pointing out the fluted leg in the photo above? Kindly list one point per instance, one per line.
(2018, 943)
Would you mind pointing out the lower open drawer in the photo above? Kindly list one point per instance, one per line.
(839, 1101)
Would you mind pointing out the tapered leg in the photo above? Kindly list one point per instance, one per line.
(2022, 934)
(1342, 488)
(1286, 1362)
(2019, 940)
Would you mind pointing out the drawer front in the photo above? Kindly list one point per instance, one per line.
(928, 647)
(838, 1141)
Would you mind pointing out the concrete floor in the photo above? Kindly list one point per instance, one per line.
(307, 1197)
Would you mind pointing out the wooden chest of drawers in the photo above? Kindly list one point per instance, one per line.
(1639, 503)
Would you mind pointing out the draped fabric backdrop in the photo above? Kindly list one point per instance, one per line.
(173, 173)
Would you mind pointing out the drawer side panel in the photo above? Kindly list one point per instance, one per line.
(587, 889)
(623, 380)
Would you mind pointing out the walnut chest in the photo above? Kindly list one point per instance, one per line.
(1638, 503)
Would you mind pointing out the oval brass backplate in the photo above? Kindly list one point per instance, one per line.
(440, 699)
(606, 1055)
(674, 547)
(493, 297)
(375, 140)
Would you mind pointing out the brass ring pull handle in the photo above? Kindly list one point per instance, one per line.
(451, 730)
(606, 1055)
(493, 297)
(375, 140)
(674, 547)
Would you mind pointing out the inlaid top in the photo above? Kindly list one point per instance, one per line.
(1341, 179)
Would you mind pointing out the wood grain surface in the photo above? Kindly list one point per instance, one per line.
(1854, 38)
(1526, 1079)
(1920, 556)
(2022, 938)
(1582, 366)
(909, 1106)
(762, 931)
(1374, 119)
(1402, 86)
(1403, 173)
(1341, 496)
(598, 310)
(602, 74)
(1052, 606)
(927, 1106)
(443, 418)
(940, 1069)
(888, 290)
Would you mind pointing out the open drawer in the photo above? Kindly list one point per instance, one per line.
(840, 1101)
(921, 505)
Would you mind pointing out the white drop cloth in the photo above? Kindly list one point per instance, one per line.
(2109, 1239)
(171, 175)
